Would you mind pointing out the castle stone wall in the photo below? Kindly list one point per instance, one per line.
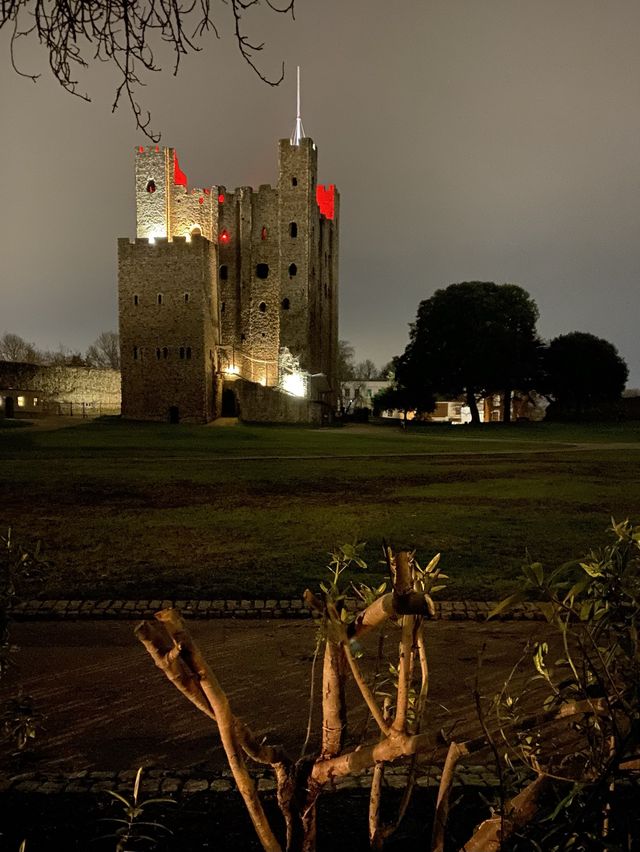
(270, 274)
(58, 383)
(169, 328)
(257, 404)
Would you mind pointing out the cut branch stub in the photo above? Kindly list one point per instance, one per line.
(403, 574)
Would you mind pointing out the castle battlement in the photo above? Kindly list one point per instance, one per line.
(196, 241)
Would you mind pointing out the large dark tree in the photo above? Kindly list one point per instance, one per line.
(583, 373)
(472, 338)
(127, 34)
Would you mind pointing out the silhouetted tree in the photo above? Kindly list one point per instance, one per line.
(395, 398)
(15, 348)
(472, 338)
(365, 370)
(125, 33)
(104, 352)
(583, 372)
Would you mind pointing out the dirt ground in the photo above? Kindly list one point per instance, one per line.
(106, 706)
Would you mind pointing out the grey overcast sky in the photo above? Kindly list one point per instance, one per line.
(492, 140)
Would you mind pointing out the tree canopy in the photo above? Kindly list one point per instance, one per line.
(104, 352)
(15, 348)
(126, 35)
(582, 372)
(472, 338)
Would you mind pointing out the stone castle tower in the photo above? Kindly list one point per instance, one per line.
(229, 299)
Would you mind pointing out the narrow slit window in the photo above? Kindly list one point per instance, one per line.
(160, 298)
(158, 353)
(188, 353)
(135, 353)
(222, 307)
(263, 233)
(186, 297)
(293, 229)
(136, 301)
(165, 352)
(224, 272)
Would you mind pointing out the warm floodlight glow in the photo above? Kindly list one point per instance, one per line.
(294, 384)
(233, 370)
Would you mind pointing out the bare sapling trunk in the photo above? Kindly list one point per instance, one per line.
(398, 717)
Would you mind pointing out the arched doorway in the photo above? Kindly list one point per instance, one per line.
(229, 404)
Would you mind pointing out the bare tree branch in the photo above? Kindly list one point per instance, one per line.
(124, 33)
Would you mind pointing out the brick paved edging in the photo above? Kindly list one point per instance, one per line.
(258, 608)
(186, 782)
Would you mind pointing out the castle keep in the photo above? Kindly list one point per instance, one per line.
(228, 299)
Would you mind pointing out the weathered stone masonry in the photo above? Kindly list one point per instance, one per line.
(216, 286)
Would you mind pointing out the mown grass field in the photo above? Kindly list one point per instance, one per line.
(152, 510)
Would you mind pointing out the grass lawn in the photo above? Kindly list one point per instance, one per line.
(152, 510)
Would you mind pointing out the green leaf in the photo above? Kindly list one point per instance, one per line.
(507, 603)
(115, 795)
(432, 564)
(592, 569)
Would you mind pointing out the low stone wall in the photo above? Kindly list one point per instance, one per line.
(60, 385)
(258, 404)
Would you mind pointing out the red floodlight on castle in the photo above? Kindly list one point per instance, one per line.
(221, 198)
(224, 237)
(325, 196)
(179, 177)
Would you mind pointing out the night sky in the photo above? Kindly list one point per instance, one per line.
(491, 140)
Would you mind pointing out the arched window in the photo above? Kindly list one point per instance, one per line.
(293, 270)
(293, 229)
(263, 233)
(294, 181)
(165, 352)
(188, 352)
(151, 186)
(224, 272)
(262, 270)
(158, 353)
(182, 351)
(196, 232)
(285, 304)
(262, 307)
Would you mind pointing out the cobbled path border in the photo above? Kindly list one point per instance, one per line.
(258, 608)
(186, 782)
